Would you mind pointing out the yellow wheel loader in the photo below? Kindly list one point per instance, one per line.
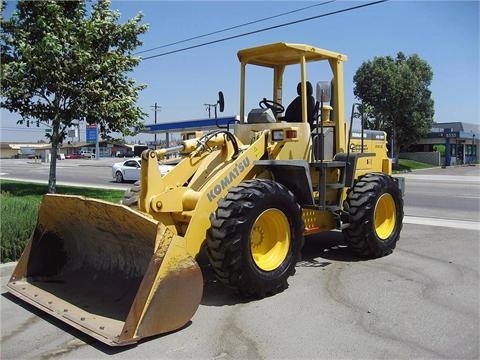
(248, 193)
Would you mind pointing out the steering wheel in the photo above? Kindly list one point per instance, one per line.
(276, 107)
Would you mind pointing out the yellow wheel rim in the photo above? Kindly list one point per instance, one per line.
(385, 216)
(270, 239)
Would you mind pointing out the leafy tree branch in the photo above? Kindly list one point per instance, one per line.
(60, 65)
(396, 93)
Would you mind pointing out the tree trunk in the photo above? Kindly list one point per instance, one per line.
(396, 145)
(52, 176)
(54, 140)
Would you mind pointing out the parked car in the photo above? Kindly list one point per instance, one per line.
(129, 170)
(73, 156)
(87, 154)
(123, 153)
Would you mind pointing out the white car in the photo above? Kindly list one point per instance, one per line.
(129, 170)
(87, 154)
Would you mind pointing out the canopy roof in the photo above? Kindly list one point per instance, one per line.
(285, 54)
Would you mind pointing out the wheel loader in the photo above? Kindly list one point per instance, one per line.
(247, 195)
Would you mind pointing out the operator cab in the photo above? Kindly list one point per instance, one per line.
(287, 62)
(270, 110)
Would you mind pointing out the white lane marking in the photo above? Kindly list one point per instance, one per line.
(467, 196)
(439, 178)
(456, 224)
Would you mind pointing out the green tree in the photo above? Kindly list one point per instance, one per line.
(62, 64)
(397, 96)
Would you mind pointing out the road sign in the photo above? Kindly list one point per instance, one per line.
(91, 133)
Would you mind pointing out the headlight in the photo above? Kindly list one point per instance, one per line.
(286, 134)
(277, 135)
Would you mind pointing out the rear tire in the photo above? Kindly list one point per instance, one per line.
(256, 238)
(375, 208)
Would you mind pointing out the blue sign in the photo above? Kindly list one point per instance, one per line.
(91, 133)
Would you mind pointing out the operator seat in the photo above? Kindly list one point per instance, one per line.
(294, 110)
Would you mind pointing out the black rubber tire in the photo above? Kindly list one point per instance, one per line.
(361, 203)
(130, 198)
(228, 239)
(118, 177)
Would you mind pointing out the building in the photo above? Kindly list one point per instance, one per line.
(456, 143)
(22, 150)
(42, 150)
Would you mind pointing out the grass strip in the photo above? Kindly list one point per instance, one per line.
(19, 204)
(406, 165)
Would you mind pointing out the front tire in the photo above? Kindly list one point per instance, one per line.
(375, 212)
(255, 238)
(118, 177)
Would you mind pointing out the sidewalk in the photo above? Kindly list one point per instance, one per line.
(6, 271)
(461, 170)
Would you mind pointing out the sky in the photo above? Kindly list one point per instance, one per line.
(443, 33)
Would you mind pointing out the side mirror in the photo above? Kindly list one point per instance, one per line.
(221, 101)
(324, 93)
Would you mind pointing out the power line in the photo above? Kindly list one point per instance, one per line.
(265, 29)
(235, 27)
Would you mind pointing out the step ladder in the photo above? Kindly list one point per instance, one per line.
(323, 168)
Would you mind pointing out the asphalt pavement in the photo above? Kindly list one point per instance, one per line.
(420, 302)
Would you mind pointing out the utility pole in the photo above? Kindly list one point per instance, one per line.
(220, 102)
(209, 107)
(155, 109)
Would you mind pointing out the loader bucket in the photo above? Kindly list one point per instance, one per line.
(107, 270)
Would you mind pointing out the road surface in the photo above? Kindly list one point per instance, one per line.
(422, 301)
